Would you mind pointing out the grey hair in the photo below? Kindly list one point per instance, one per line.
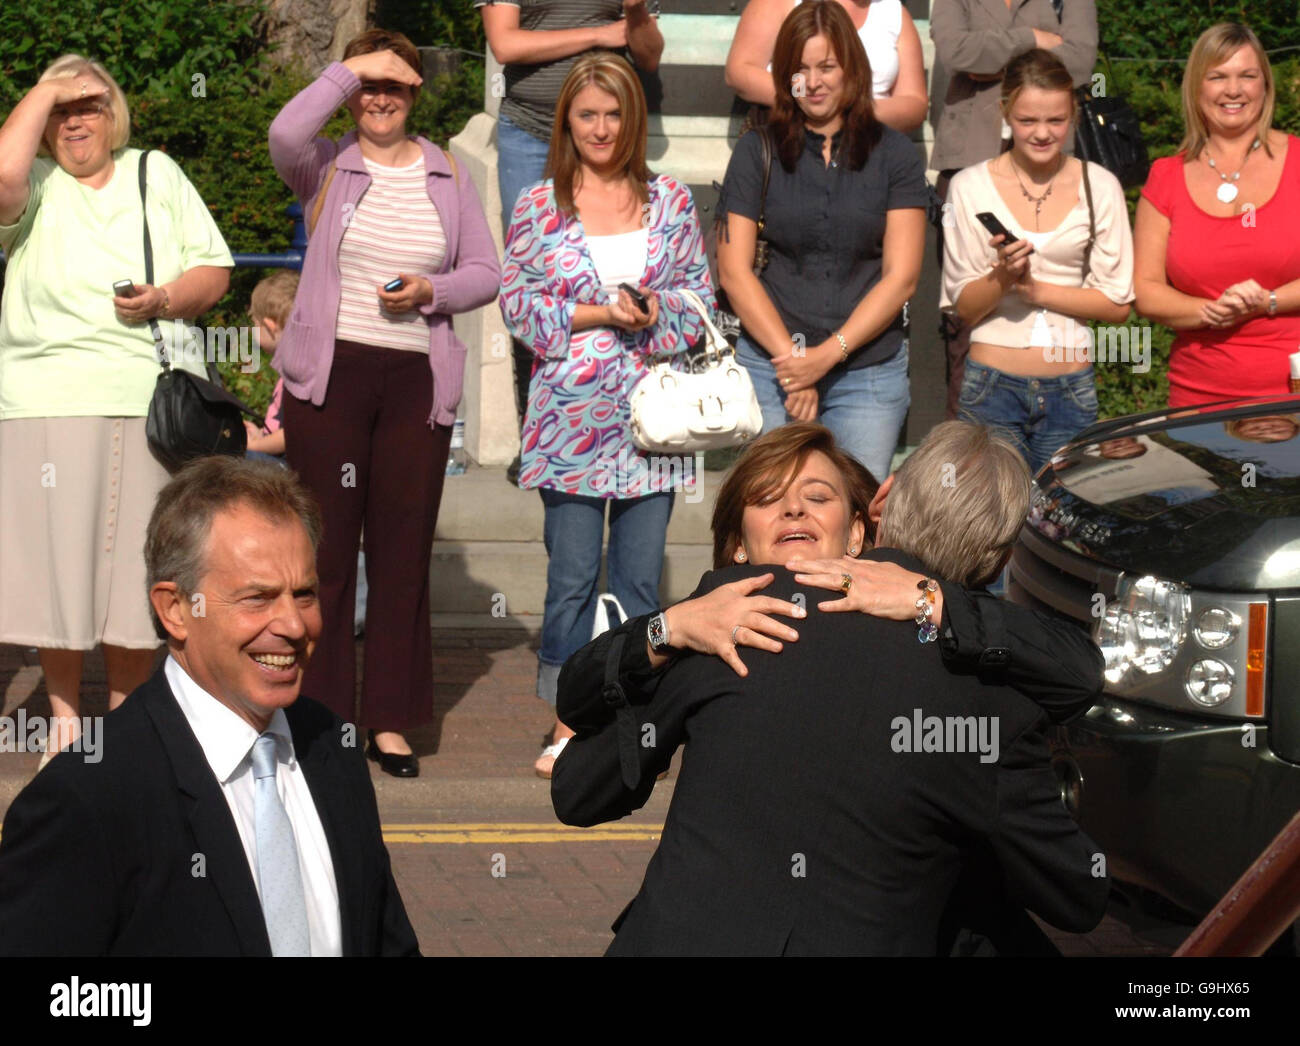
(118, 111)
(958, 502)
(176, 543)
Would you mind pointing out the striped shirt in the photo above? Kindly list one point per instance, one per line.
(394, 229)
(532, 88)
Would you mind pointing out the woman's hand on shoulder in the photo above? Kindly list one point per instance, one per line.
(382, 65)
(875, 587)
(731, 616)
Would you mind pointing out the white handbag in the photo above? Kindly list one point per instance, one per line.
(677, 411)
(602, 623)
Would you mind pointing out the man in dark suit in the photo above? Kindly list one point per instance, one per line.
(228, 816)
(829, 800)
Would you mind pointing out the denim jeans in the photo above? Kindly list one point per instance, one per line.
(574, 530)
(1038, 415)
(864, 408)
(521, 158)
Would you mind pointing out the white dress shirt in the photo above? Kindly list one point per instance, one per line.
(227, 743)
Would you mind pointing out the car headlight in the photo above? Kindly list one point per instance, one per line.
(1143, 628)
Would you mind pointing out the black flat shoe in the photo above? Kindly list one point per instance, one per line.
(390, 762)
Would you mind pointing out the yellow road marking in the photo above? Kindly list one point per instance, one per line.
(517, 832)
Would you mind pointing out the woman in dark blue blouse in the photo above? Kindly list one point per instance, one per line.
(822, 326)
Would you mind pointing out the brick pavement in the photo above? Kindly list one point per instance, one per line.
(556, 897)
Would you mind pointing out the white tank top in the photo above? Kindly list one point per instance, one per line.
(879, 35)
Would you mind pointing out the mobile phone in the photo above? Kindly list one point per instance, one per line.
(394, 285)
(639, 299)
(995, 227)
(124, 289)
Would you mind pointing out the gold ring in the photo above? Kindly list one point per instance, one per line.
(846, 582)
(83, 89)
(785, 381)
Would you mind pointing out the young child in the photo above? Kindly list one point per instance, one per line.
(269, 308)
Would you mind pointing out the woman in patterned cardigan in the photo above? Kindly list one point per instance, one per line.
(600, 220)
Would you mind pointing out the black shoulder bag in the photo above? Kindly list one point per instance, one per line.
(189, 417)
(1109, 131)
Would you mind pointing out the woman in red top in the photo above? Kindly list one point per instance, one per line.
(1217, 240)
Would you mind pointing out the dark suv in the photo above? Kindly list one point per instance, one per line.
(1175, 538)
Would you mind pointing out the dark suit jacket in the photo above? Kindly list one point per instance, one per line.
(138, 854)
(796, 825)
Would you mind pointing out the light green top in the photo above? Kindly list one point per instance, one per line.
(63, 351)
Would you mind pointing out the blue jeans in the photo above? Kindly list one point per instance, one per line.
(1038, 415)
(521, 158)
(864, 408)
(574, 531)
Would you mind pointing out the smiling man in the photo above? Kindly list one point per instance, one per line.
(229, 815)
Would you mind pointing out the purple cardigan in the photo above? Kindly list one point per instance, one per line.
(469, 279)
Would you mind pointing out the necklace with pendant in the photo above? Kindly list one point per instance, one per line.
(1037, 201)
(1227, 190)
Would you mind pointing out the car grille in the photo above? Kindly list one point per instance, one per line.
(1047, 577)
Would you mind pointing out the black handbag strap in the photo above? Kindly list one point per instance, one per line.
(765, 140)
(160, 348)
(159, 345)
(1092, 221)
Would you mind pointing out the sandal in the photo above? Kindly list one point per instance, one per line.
(546, 761)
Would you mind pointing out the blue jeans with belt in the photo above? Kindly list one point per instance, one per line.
(574, 531)
(1037, 415)
(864, 408)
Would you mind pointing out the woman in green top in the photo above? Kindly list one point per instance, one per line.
(77, 370)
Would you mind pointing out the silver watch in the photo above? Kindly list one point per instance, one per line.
(657, 634)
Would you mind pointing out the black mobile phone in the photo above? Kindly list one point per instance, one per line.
(394, 285)
(639, 299)
(995, 227)
(124, 289)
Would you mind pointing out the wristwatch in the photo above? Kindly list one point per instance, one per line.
(1272, 303)
(657, 634)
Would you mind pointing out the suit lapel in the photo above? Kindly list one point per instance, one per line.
(339, 818)
(226, 864)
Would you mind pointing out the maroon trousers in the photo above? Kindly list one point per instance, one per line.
(373, 462)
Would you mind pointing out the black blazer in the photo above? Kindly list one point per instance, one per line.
(797, 826)
(138, 854)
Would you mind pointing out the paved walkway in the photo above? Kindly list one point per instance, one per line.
(481, 862)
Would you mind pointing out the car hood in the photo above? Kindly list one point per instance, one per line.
(1210, 497)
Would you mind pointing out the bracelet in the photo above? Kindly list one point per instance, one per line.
(1272, 304)
(927, 631)
(844, 347)
(166, 305)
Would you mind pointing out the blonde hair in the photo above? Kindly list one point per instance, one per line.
(611, 74)
(958, 502)
(272, 298)
(1212, 48)
(78, 65)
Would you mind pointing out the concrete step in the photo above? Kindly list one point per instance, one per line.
(505, 581)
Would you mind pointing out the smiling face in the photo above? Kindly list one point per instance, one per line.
(79, 136)
(1040, 122)
(818, 85)
(595, 119)
(811, 518)
(249, 640)
(1232, 93)
(380, 109)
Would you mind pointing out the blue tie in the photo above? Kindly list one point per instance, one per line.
(284, 905)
